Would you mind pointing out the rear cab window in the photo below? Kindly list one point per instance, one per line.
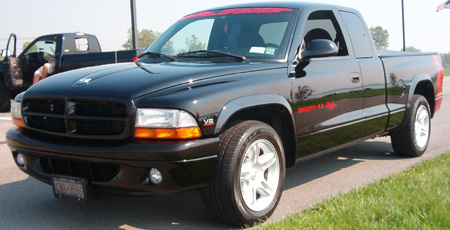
(81, 44)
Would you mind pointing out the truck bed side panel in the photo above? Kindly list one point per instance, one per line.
(403, 73)
(76, 61)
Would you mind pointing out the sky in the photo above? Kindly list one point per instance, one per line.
(109, 20)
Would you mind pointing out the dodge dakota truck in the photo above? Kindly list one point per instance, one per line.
(70, 50)
(223, 102)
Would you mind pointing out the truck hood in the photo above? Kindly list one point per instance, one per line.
(132, 80)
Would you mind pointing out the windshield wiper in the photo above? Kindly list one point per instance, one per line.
(154, 54)
(193, 53)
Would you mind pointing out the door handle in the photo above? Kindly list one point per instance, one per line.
(356, 77)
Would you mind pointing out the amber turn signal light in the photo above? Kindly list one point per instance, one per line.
(18, 122)
(166, 134)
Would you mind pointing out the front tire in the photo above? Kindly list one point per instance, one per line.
(5, 97)
(249, 174)
(413, 138)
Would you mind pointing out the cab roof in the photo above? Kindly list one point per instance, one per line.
(292, 5)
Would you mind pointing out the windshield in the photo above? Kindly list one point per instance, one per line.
(254, 33)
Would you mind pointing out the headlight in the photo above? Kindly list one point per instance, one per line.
(16, 114)
(165, 124)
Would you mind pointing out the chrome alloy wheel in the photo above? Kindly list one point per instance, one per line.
(422, 127)
(259, 175)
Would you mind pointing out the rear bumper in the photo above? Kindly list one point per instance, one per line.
(118, 168)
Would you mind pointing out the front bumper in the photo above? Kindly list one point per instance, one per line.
(118, 167)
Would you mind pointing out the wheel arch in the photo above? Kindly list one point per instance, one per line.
(272, 109)
(422, 85)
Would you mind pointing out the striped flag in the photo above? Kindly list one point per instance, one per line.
(442, 6)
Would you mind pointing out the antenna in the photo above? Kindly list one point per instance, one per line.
(403, 24)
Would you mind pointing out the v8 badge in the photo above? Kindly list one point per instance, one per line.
(208, 122)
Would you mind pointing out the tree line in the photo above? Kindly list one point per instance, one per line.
(381, 40)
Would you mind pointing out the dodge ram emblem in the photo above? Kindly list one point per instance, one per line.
(83, 81)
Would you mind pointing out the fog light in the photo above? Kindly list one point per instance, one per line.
(20, 160)
(155, 176)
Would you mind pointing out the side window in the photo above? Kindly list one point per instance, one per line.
(81, 44)
(323, 25)
(358, 35)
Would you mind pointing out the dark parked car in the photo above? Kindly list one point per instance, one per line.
(223, 102)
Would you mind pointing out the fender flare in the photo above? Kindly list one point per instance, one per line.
(241, 103)
(416, 80)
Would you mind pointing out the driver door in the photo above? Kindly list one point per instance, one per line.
(11, 67)
(327, 91)
(32, 57)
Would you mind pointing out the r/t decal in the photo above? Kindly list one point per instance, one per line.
(329, 105)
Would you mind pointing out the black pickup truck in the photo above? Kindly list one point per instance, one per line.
(71, 51)
(223, 102)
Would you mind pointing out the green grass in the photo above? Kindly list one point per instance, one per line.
(418, 198)
(446, 72)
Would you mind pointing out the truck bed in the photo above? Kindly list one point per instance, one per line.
(393, 53)
(76, 61)
(404, 71)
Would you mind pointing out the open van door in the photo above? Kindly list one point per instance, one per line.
(11, 67)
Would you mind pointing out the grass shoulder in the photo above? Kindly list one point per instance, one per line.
(447, 72)
(418, 198)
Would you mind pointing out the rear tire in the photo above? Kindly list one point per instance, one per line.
(413, 138)
(249, 175)
(5, 97)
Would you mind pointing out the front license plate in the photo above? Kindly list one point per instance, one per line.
(69, 187)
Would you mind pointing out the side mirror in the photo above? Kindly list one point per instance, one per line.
(319, 48)
(5, 53)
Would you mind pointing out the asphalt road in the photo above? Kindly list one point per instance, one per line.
(26, 203)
